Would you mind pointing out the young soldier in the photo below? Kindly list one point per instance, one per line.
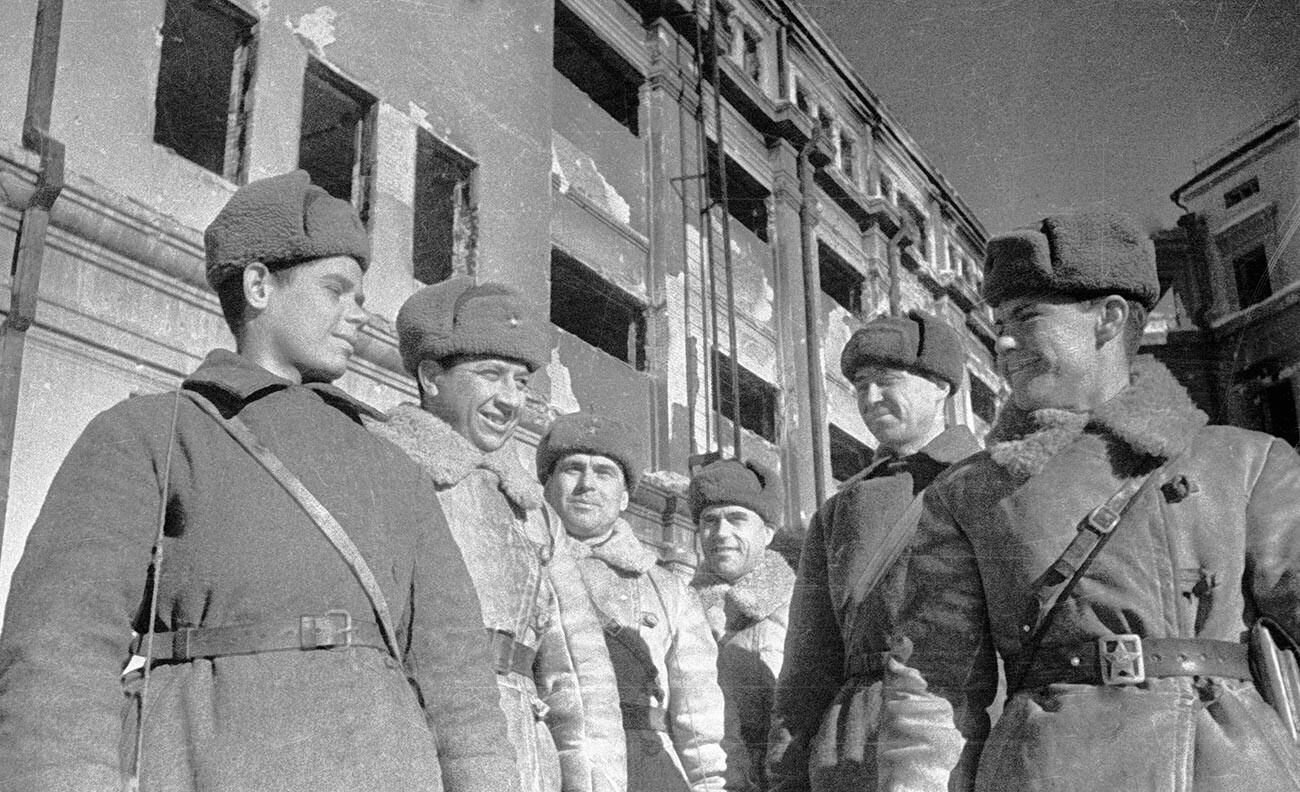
(271, 667)
(472, 349)
(660, 644)
(746, 590)
(1160, 539)
(828, 697)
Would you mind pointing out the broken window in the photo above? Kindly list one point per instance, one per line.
(849, 456)
(750, 60)
(336, 142)
(1279, 405)
(442, 238)
(801, 98)
(746, 198)
(839, 280)
(204, 74)
(983, 401)
(846, 156)
(757, 407)
(1240, 193)
(595, 310)
(596, 69)
(1253, 283)
(922, 233)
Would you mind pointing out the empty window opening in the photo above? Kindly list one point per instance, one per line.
(746, 198)
(595, 310)
(596, 69)
(922, 233)
(839, 280)
(757, 399)
(750, 60)
(1253, 283)
(336, 143)
(849, 456)
(983, 401)
(846, 157)
(1240, 193)
(886, 187)
(442, 237)
(204, 74)
(801, 98)
(1279, 404)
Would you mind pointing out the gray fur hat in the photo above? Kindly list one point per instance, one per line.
(281, 221)
(729, 482)
(586, 433)
(459, 317)
(917, 342)
(1085, 254)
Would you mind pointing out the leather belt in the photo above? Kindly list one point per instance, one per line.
(511, 657)
(1130, 659)
(328, 631)
(644, 716)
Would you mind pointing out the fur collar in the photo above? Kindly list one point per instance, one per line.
(1153, 418)
(622, 550)
(757, 595)
(449, 458)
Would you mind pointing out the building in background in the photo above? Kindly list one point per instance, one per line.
(570, 150)
(1232, 268)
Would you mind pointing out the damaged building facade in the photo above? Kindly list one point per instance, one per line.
(1232, 271)
(578, 151)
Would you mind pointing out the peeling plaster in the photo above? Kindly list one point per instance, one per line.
(316, 27)
(262, 8)
(579, 171)
(562, 397)
(670, 480)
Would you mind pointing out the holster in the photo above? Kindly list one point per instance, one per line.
(1275, 668)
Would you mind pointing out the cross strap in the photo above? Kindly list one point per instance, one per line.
(243, 435)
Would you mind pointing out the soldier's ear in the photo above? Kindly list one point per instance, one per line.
(257, 285)
(1112, 314)
(427, 374)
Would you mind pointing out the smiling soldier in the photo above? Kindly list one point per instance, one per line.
(828, 697)
(472, 349)
(746, 589)
(273, 663)
(658, 639)
(1109, 546)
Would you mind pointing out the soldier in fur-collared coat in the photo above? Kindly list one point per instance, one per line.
(472, 349)
(746, 590)
(1209, 545)
(663, 653)
(824, 727)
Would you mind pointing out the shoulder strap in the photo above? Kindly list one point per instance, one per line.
(243, 435)
(894, 540)
(1056, 583)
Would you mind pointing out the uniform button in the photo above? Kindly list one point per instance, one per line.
(649, 619)
(1074, 661)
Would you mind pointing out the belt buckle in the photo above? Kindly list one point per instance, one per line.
(1120, 658)
(323, 632)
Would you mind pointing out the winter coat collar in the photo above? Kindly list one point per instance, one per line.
(1152, 418)
(234, 375)
(449, 458)
(951, 446)
(757, 595)
(621, 550)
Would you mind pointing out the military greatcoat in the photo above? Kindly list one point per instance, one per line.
(238, 550)
(828, 696)
(1213, 544)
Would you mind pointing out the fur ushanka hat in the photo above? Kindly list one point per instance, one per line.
(281, 221)
(728, 482)
(917, 342)
(585, 433)
(459, 317)
(1084, 254)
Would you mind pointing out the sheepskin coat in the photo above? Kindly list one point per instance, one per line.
(238, 550)
(828, 695)
(564, 720)
(664, 657)
(748, 619)
(1202, 554)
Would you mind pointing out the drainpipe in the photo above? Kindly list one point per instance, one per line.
(29, 250)
(811, 314)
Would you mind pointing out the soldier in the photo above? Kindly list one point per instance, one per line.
(472, 349)
(1109, 545)
(272, 662)
(828, 696)
(746, 590)
(660, 644)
